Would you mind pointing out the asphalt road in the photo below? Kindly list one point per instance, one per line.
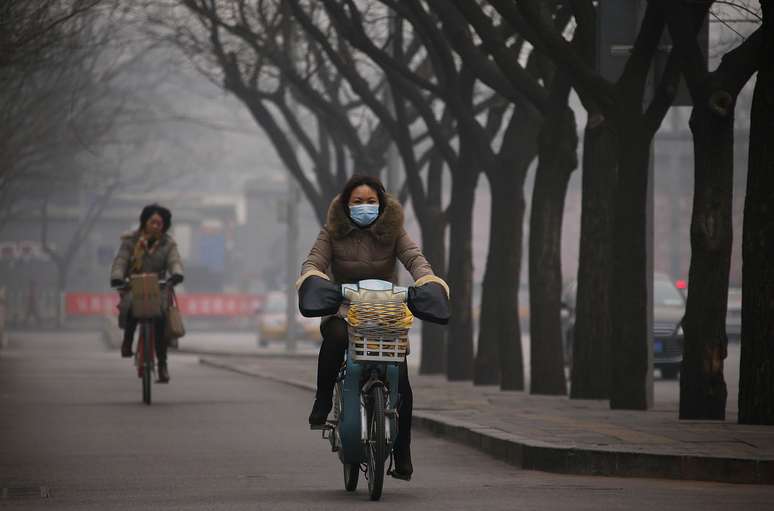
(71, 422)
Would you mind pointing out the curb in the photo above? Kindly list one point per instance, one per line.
(534, 455)
(286, 381)
(233, 354)
(111, 336)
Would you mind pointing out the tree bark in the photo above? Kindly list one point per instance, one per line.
(499, 320)
(756, 379)
(499, 356)
(702, 387)
(558, 143)
(434, 336)
(592, 334)
(629, 355)
(459, 353)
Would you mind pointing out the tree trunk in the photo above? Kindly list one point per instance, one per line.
(592, 333)
(629, 353)
(459, 353)
(434, 336)
(499, 357)
(499, 321)
(756, 379)
(558, 145)
(702, 387)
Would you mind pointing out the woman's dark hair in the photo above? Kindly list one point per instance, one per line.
(358, 180)
(153, 209)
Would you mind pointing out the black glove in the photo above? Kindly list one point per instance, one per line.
(116, 283)
(319, 297)
(175, 279)
(429, 302)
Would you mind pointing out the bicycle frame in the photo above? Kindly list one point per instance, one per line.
(145, 357)
(145, 344)
(145, 354)
(364, 425)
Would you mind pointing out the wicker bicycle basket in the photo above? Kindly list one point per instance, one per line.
(378, 331)
(146, 296)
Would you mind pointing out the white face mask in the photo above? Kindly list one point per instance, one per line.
(364, 214)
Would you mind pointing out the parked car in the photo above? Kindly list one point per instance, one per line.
(734, 315)
(668, 311)
(272, 321)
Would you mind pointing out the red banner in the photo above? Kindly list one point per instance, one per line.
(191, 304)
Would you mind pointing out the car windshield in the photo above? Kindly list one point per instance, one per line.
(666, 294)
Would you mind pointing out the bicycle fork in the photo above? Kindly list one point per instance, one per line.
(390, 409)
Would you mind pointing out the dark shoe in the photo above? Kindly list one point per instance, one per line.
(163, 374)
(403, 468)
(320, 411)
(126, 348)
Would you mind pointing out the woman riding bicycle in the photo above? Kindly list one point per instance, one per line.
(149, 249)
(363, 238)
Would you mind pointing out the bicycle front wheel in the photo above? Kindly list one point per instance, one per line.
(377, 443)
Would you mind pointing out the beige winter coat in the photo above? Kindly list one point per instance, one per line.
(165, 260)
(349, 253)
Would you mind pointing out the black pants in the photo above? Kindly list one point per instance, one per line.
(334, 345)
(160, 337)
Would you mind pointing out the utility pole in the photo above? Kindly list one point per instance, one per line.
(292, 263)
(293, 196)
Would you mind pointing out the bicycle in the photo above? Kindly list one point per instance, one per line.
(364, 422)
(146, 292)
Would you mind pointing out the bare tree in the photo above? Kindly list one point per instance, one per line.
(756, 379)
(52, 75)
(702, 387)
(620, 105)
(254, 51)
(257, 52)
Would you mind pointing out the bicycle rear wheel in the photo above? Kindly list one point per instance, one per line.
(147, 361)
(377, 443)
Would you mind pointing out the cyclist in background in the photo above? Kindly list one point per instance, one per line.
(149, 249)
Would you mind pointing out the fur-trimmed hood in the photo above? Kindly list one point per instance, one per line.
(349, 253)
(386, 228)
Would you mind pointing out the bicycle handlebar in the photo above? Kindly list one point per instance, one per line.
(126, 286)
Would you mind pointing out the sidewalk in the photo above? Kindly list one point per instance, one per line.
(556, 434)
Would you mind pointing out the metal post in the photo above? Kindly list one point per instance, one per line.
(292, 263)
(292, 219)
